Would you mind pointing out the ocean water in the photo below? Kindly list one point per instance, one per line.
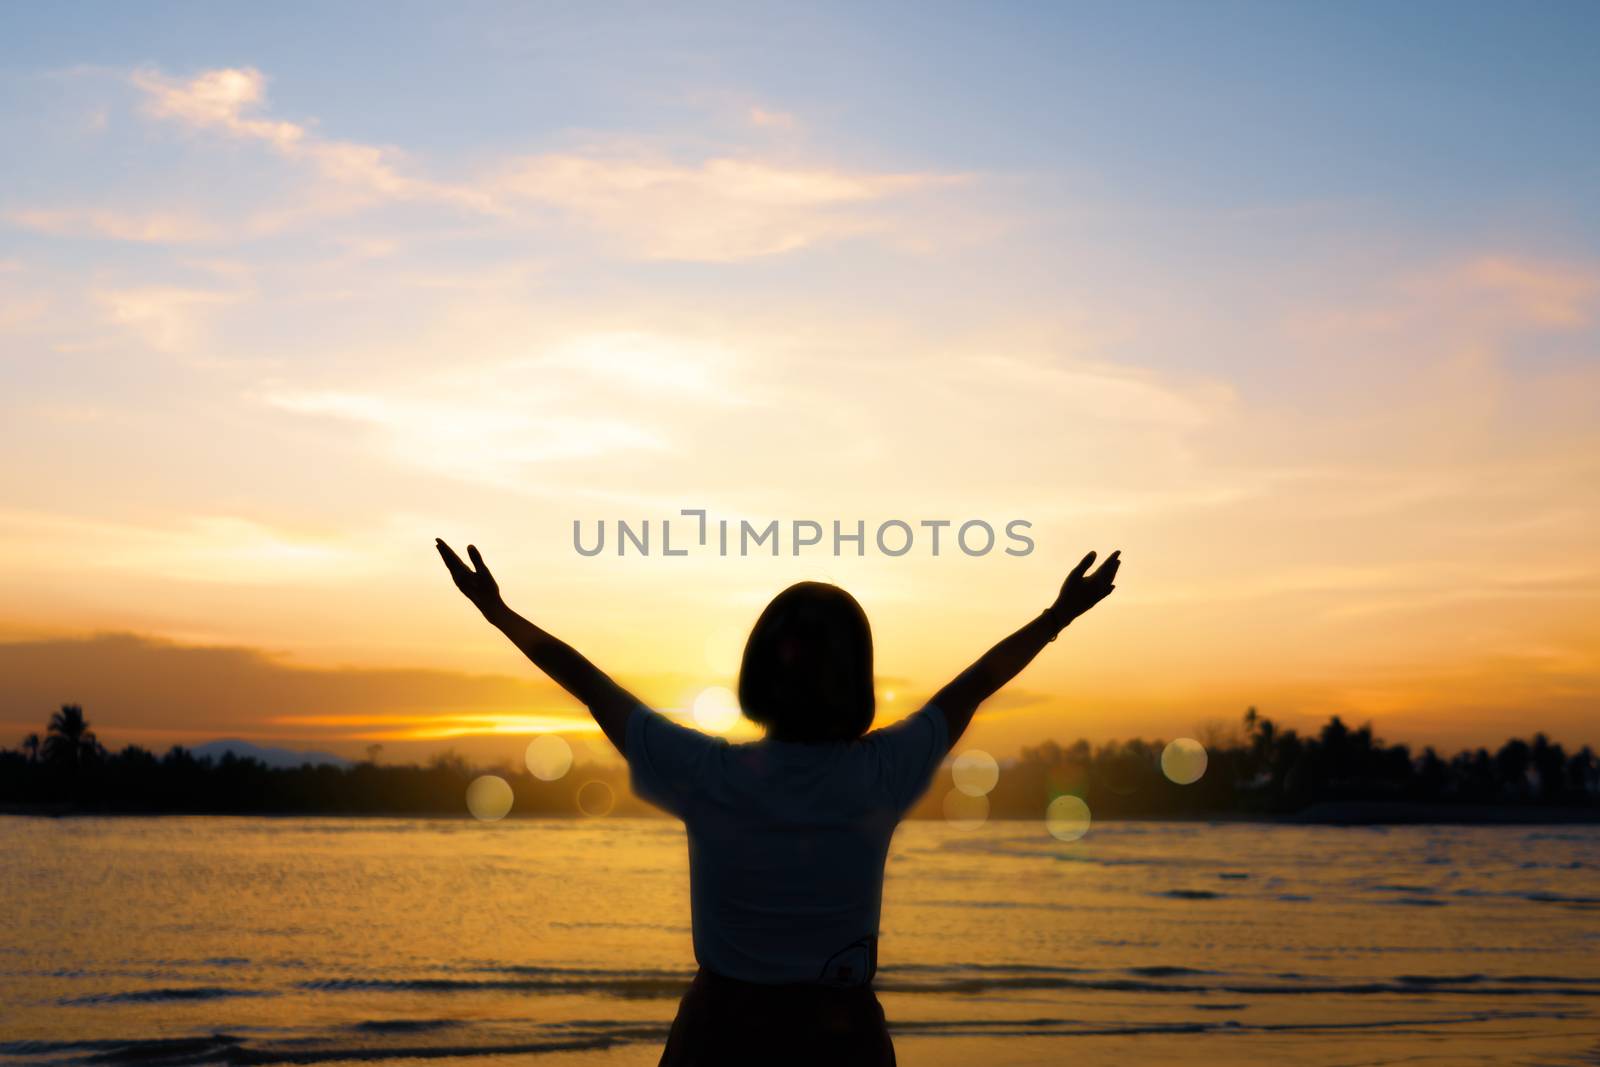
(217, 940)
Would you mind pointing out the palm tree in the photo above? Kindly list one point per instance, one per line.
(1549, 761)
(69, 742)
(30, 745)
(1512, 763)
(1581, 770)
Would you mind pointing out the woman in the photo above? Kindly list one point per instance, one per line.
(787, 835)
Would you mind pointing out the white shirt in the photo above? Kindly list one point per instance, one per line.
(787, 840)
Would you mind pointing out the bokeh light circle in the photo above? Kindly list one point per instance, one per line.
(975, 772)
(1184, 761)
(964, 811)
(716, 709)
(489, 797)
(548, 757)
(1067, 818)
(595, 799)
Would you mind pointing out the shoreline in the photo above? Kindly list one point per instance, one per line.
(1327, 813)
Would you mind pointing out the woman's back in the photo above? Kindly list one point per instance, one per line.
(787, 840)
(787, 836)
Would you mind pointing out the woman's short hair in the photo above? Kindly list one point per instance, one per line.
(807, 670)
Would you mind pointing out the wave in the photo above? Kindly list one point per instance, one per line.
(899, 979)
(576, 1036)
(630, 986)
(1558, 898)
(1417, 902)
(228, 1049)
(156, 996)
(1413, 890)
(403, 1026)
(1415, 896)
(962, 979)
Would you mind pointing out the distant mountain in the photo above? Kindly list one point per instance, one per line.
(272, 757)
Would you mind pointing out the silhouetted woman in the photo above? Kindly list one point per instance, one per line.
(787, 835)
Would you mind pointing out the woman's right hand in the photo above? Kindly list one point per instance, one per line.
(1082, 590)
(475, 582)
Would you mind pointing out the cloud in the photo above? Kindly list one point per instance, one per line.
(1550, 295)
(1487, 297)
(158, 227)
(135, 687)
(585, 396)
(437, 726)
(719, 209)
(221, 99)
(662, 367)
(222, 548)
(218, 98)
(722, 207)
(491, 439)
(20, 311)
(760, 116)
(1104, 391)
(167, 318)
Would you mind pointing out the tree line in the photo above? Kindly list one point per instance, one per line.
(68, 770)
(1261, 769)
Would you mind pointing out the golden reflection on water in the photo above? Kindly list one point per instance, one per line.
(357, 936)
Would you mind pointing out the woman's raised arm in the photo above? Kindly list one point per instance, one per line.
(1081, 591)
(609, 703)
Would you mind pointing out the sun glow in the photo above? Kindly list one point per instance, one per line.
(441, 726)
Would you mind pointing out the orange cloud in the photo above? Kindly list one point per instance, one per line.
(142, 689)
(149, 227)
(1552, 295)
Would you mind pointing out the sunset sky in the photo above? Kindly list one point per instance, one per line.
(1297, 305)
